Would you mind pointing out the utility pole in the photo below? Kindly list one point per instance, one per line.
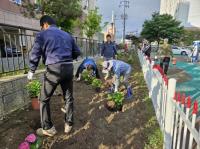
(125, 5)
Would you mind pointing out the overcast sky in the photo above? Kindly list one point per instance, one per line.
(138, 12)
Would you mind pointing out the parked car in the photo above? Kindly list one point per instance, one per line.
(7, 51)
(181, 50)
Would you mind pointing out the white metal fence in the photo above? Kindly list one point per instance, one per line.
(172, 109)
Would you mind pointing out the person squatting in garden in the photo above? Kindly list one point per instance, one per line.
(118, 68)
(165, 54)
(108, 49)
(87, 64)
(58, 50)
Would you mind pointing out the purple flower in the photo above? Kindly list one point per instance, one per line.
(31, 138)
(24, 145)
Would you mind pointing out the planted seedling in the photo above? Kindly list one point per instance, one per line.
(86, 75)
(115, 101)
(96, 83)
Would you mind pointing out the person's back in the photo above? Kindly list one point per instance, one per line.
(57, 44)
(89, 61)
(165, 50)
(120, 67)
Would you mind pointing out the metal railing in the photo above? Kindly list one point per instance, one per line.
(180, 127)
(15, 49)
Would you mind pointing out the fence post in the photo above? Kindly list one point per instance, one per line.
(169, 114)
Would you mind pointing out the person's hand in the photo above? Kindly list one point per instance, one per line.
(106, 77)
(30, 75)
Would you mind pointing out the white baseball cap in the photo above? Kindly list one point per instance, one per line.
(107, 65)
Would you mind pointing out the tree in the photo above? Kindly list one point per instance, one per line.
(161, 27)
(65, 12)
(92, 23)
(190, 36)
(136, 40)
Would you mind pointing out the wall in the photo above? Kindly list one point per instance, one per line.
(13, 94)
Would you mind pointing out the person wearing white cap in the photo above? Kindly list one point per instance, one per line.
(118, 68)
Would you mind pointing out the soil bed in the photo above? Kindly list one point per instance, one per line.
(95, 127)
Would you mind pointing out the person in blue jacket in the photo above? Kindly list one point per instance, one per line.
(118, 68)
(88, 64)
(108, 49)
(58, 50)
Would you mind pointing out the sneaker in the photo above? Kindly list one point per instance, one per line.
(50, 132)
(67, 128)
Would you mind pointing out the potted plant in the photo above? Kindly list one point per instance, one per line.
(33, 89)
(115, 101)
(96, 83)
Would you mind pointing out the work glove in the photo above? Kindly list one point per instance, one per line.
(30, 75)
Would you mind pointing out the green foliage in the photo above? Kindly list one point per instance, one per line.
(37, 144)
(162, 26)
(155, 140)
(86, 75)
(190, 36)
(92, 23)
(117, 97)
(65, 12)
(96, 83)
(33, 88)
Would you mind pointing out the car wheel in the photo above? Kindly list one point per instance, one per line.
(183, 53)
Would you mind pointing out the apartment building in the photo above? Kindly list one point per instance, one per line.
(11, 16)
(186, 11)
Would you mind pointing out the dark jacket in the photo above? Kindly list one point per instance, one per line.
(108, 50)
(54, 46)
(84, 64)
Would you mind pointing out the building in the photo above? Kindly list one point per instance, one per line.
(11, 16)
(186, 11)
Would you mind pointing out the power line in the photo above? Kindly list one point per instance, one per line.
(124, 4)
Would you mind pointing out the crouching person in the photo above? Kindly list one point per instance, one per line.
(87, 64)
(118, 68)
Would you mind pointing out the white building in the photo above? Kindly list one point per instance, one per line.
(88, 5)
(187, 11)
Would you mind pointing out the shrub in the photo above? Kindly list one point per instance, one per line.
(33, 88)
(96, 83)
(87, 76)
(117, 97)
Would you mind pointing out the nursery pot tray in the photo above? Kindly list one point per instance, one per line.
(111, 106)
